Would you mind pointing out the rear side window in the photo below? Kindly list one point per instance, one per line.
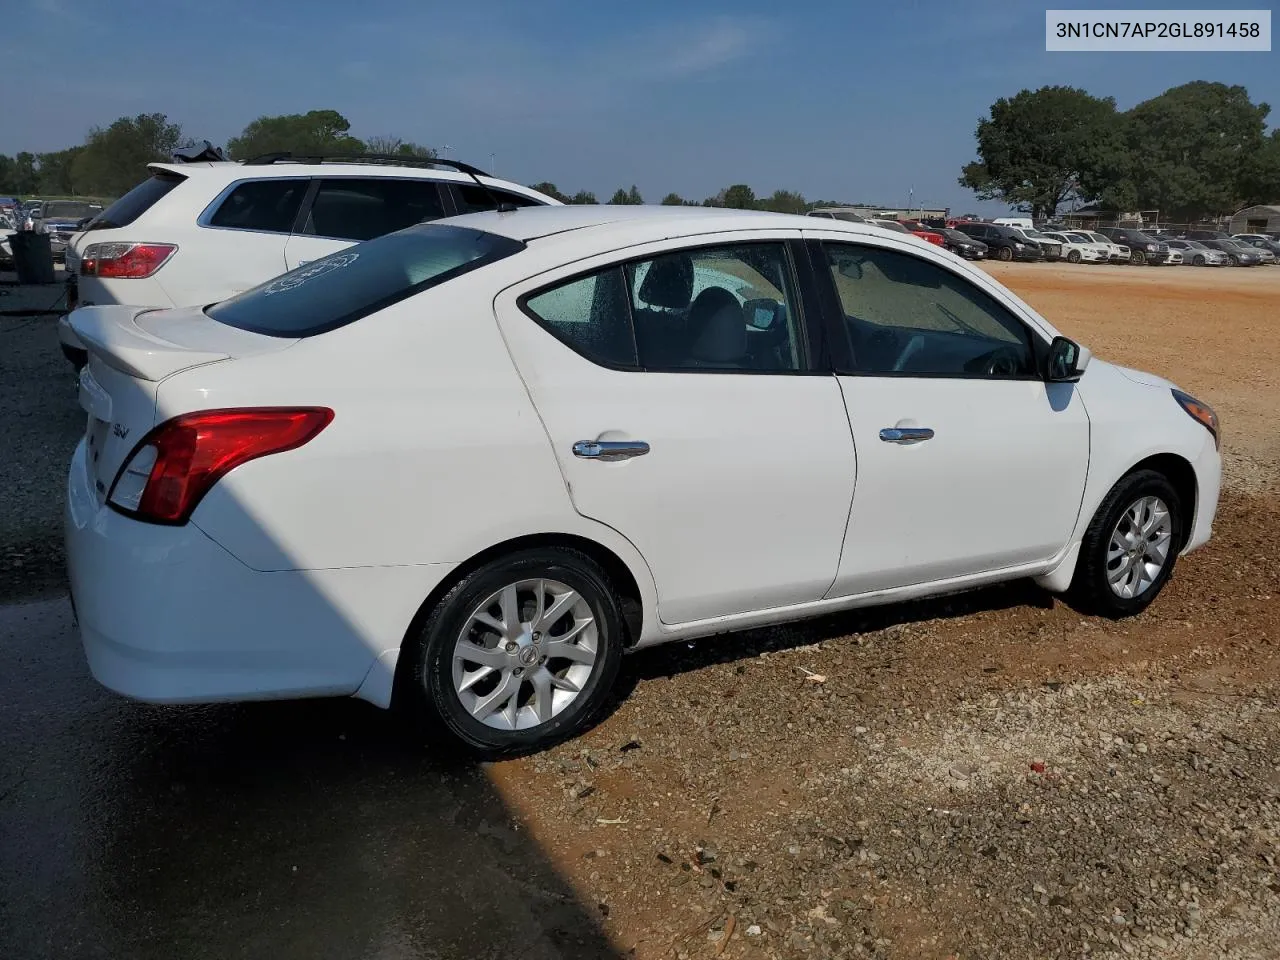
(353, 283)
(267, 205)
(471, 199)
(136, 202)
(364, 209)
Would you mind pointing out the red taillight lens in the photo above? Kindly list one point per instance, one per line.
(125, 261)
(935, 238)
(176, 464)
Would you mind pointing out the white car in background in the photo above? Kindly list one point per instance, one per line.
(464, 467)
(198, 232)
(1078, 249)
(1116, 252)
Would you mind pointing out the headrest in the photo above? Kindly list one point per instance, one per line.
(669, 282)
(718, 327)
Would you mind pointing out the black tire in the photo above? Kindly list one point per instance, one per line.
(427, 690)
(1005, 254)
(1073, 256)
(1138, 258)
(1235, 261)
(1197, 261)
(1090, 588)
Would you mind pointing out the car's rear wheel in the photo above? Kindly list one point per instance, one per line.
(1234, 260)
(1005, 254)
(519, 654)
(1130, 547)
(1073, 256)
(1197, 261)
(1138, 257)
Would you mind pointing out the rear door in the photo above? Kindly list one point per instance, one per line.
(679, 395)
(346, 210)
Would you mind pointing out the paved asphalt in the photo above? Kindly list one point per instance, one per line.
(292, 830)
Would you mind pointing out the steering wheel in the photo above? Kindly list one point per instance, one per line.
(1003, 362)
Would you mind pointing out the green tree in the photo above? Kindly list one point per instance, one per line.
(114, 158)
(584, 197)
(18, 174)
(633, 196)
(317, 132)
(398, 147)
(54, 173)
(1262, 184)
(785, 201)
(1195, 149)
(739, 197)
(550, 190)
(672, 200)
(1040, 148)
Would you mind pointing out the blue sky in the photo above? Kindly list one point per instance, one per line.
(858, 101)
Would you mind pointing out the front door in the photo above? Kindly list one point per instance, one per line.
(968, 462)
(677, 393)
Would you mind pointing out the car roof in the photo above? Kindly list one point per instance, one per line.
(646, 221)
(227, 171)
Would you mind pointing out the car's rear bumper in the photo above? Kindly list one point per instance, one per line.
(167, 615)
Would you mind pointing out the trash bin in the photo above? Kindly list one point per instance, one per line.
(32, 257)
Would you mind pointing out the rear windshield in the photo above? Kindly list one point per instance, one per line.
(359, 280)
(136, 202)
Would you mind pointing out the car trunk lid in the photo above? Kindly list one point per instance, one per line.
(131, 351)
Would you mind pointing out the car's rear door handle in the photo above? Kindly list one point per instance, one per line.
(906, 434)
(610, 449)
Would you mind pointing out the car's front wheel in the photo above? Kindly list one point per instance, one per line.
(1197, 261)
(519, 654)
(1073, 256)
(1138, 257)
(1130, 547)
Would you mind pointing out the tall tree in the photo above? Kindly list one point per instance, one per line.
(633, 196)
(785, 201)
(1195, 148)
(114, 158)
(398, 147)
(739, 197)
(1040, 148)
(584, 197)
(18, 174)
(316, 132)
(672, 200)
(1263, 182)
(550, 190)
(55, 171)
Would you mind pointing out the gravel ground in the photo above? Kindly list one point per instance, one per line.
(983, 776)
(42, 422)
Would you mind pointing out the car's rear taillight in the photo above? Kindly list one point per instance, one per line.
(176, 464)
(124, 261)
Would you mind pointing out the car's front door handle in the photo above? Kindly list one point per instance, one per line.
(906, 434)
(610, 449)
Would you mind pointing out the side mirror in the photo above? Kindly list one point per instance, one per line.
(762, 314)
(1066, 362)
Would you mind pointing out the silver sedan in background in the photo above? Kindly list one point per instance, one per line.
(1196, 254)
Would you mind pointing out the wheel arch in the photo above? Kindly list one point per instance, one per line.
(620, 573)
(1182, 475)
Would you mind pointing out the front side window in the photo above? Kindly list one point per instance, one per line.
(350, 209)
(269, 206)
(729, 308)
(359, 280)
(906, 316)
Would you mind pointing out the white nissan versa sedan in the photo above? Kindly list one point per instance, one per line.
(465, 466)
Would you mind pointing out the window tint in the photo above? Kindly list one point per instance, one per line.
(267, 205)
(355, 282)
(364, 209)
(908, 317)
(590, 315)
(136, 202)
(711, 308)
(473, 200)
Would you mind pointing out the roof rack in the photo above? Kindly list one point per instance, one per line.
(377, 159)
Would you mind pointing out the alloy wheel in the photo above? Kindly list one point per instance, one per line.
(525, 653)
(1139, 548)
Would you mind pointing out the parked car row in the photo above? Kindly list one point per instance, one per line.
(462, 467)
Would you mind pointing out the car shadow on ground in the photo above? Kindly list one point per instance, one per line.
(285, 830)
(683, 656)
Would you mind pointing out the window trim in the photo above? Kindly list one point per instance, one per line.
(838, 335)
(805, 306)
(215, 204)
(308, 201)
(454, 189)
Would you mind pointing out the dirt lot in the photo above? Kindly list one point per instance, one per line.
(984, 776)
